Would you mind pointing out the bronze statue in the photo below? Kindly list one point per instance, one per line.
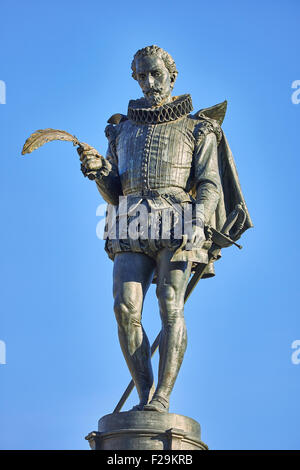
(162, 158)
(161, 155)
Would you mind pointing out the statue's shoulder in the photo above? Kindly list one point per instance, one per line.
(117, 118)
(215, 113)
(114, 123)
(208, 120)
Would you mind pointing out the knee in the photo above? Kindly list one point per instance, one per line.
(170, 304)
(165, 291)
(127, 312)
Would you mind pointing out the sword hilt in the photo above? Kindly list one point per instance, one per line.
(237, 216)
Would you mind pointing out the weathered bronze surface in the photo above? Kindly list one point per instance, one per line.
(141, 430)
(161, 156)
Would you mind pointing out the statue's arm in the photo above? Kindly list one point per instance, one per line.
(103, 170)
(206, 172)
(108, 180)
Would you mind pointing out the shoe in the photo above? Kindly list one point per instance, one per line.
(159, 404)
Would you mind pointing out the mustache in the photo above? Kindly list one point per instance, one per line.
(152, 91)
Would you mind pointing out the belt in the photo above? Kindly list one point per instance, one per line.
(160, 192)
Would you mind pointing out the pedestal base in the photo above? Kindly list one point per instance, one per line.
(146, 430)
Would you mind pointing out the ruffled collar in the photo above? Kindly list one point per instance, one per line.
(140, 113)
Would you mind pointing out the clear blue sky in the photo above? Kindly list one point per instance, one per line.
(66, 65)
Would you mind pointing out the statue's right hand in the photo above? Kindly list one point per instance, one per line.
(91, 160)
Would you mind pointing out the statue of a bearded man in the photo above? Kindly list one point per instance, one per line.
(166, 162)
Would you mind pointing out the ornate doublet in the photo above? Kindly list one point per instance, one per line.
(159, 156)
(160, 149)
(155, 156)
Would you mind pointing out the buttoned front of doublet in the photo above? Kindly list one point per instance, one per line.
(146, 156)
(154, 156)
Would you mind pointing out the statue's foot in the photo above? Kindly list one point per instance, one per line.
(144, 400)
(137, 408)
(140, 406)
(159, 404)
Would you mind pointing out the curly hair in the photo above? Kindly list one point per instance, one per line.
(164, 55)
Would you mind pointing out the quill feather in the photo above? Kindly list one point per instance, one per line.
(42, 136)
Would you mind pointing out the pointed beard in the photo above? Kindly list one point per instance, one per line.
(156, 98)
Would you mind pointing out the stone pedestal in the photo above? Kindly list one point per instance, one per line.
(146, 430)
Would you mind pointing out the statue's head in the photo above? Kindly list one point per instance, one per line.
(155, 71)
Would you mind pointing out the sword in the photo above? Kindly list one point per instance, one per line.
(219, 240)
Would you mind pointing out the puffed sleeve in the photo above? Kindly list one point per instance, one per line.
(206, 171)
(108, 180)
